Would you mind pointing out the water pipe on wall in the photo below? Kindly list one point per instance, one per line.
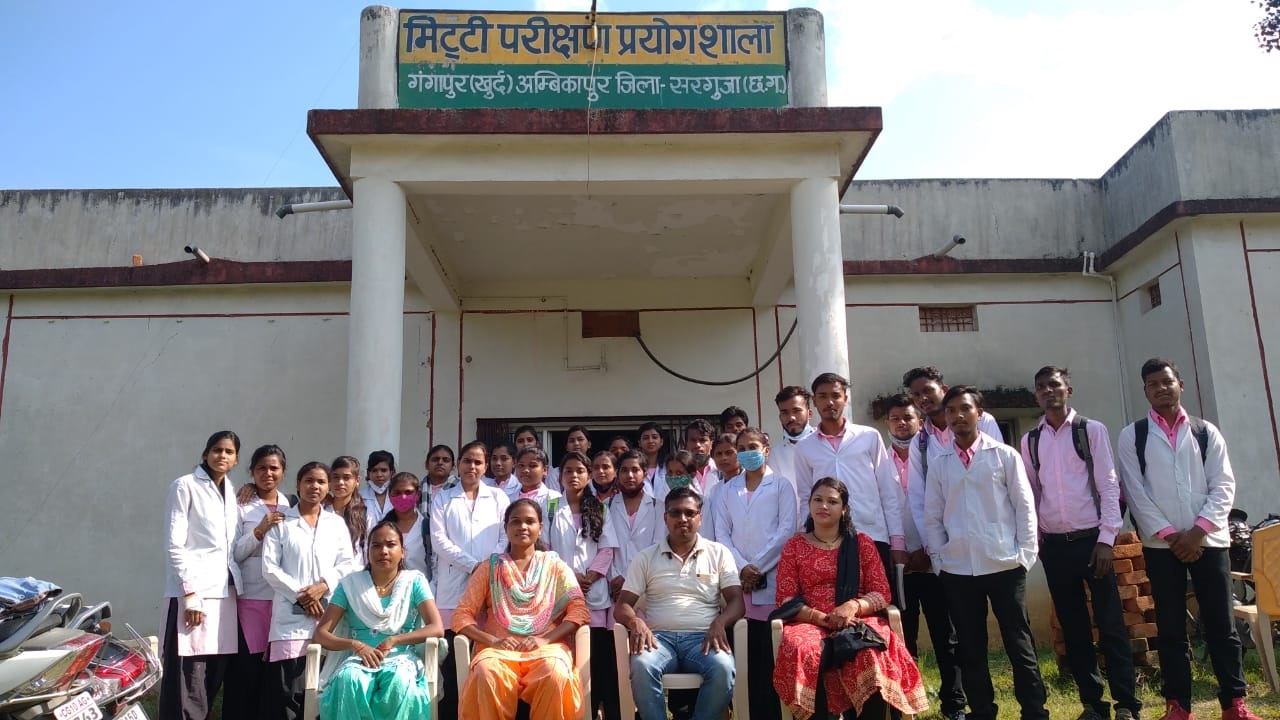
(1089, 272)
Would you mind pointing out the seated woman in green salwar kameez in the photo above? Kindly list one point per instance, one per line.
(373, 671)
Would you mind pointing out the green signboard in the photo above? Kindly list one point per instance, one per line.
(558, 61)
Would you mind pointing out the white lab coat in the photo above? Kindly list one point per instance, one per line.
(248, 549)
(657, 480)
(511, 487)
(873, 496)
(981, 519)
(1179, 486)
(647, 529)
(915, 476)
(755, 530)
(463, 536)
(374, 512)
(544, 496)
(565, 538)
(295, 555)
(782, 458)
(200, 531)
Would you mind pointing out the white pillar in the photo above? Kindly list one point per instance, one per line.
(807, 48)
(819, 278)
(379, 41)
(375, 342)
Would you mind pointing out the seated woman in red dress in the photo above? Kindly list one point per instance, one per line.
(808, 573)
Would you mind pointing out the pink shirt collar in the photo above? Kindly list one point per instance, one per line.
(1170, 431)
(844, 425)
(966, 455)
(1071, 415)
(942, 435)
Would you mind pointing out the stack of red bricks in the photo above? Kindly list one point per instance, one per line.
(1135, 595)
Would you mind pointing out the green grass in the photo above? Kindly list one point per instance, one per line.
(1064, 703)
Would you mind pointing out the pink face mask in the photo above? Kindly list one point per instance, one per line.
(405, 503)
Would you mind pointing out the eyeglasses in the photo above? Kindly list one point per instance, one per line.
(679, 514)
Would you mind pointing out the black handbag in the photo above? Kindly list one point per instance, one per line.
(844, 645)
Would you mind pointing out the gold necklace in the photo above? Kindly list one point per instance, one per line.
(383, 589)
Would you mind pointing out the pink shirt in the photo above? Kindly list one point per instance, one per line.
(966, 454)
(832, 440)
(700, 477)
(1064, 500)
(942, 436)
(1171, 432)
(902, 465)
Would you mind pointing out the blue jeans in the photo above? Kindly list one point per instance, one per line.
(681, 652)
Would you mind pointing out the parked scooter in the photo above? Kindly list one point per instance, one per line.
(58, 658)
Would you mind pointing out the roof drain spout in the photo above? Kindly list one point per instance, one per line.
(295, 208)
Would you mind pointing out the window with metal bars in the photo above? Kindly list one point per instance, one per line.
(948, 318)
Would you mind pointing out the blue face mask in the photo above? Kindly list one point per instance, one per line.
(751, 460)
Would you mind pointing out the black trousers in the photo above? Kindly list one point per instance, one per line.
(604, 673)
(1211, 580)
(968, 597)
(190, 683)
(890, 572)
(448, 708)
(760, 693)
(925, 593)
(283, 689)
(1066, 568)
(243, 693)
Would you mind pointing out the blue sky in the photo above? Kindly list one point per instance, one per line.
(163, 94)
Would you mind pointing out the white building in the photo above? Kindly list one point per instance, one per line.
(531, 249)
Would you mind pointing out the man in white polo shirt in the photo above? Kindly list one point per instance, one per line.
(685, 580)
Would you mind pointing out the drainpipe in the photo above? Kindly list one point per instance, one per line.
(295, 208)
(893, 210)
(1089, 272)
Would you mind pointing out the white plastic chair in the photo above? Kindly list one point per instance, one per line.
(1266, 606)
(683, 681)
(895, 624)
(311, 675)
(581, 663)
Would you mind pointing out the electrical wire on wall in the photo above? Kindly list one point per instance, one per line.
(593, 42)
(744, 378)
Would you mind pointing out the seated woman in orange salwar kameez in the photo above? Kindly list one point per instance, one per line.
(808, 569)
(533, 606)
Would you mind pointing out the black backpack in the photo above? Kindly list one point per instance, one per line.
(1079, 440)
(1198, 428)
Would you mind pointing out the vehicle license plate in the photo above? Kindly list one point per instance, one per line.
(133, 712)
(80, 707)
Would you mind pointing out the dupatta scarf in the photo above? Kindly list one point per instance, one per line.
(528, 604)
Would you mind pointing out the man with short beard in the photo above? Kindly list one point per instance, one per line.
(793, 415)
(853, 454)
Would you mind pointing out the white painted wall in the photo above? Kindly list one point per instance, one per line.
(108, 396)
(105, 228)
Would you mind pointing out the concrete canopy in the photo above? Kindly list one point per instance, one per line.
(501, 198)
